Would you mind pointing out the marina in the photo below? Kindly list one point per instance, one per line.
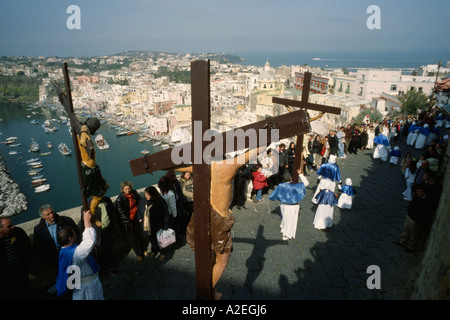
(59, 169)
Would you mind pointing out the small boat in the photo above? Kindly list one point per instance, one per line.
(15, 152)
(129, 133)
(14, 145)
(36, 166)
(142, 139)
(145, 151)
(101, 142)
(34, 147)
(34, 121)
(34, 163)
(37, 177)
(64, 149)
(42, 188)
(157, 143)
(121, 133)
(46, 153)
(165, 146)
(34, 172)
(37, 182)
(49, 145)
(33, 160)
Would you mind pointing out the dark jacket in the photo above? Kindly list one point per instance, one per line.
(159, 214)
(123, 206)
(316, 146)
(421, 210)
(21, 245)
(43, 243)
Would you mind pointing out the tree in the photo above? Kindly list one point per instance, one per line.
(374, 115)
(412, 101)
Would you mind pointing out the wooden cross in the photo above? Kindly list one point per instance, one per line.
(288, 125)
(304, 104)
(66, 100)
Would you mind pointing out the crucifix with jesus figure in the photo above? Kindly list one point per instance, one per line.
(212, 180)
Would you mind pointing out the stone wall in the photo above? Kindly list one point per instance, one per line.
(434, 272)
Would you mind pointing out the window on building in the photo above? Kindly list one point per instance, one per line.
(394, 87)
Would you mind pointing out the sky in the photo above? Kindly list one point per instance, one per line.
(39, 28)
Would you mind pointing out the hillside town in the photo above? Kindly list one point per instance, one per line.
(149, 92)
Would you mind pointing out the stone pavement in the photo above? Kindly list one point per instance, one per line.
(317, 265)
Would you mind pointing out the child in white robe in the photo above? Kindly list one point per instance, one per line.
(348, 192)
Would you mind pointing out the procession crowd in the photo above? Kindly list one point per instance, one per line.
(58, 241)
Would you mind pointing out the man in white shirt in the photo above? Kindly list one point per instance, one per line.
(78, 259)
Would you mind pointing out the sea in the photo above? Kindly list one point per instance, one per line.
(60, 170)
(350, 60)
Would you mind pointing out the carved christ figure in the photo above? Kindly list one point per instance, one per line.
(222, 219)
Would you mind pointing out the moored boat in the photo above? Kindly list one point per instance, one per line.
(145, 151)
(34, 147)
(101, 142)
(42, 188)
(64, 149)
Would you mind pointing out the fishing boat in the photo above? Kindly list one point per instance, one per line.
(34, 163)
(34, 121)
(145, 151)
(122, 133)
(34, 172)
(34, 147)
(101, 142)
(129, 133)
(14, 145)
(32, 160)
(15, 152)
(157, 143)
(165, 146)
(46, 153)
(37, 177)
(38, 182)
(64, 149)
(42, 188)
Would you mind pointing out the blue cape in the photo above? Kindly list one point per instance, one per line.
(424, 131)
(381, 139)
(396, 153)
(65, 260)
(349, 190)
(330, 171)
(412, 128)
(326, 197)
(287, 192)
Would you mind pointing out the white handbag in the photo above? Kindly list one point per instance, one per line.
(165, 237)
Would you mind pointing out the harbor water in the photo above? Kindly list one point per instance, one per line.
(61, 170)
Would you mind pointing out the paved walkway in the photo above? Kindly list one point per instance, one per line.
(328, 264)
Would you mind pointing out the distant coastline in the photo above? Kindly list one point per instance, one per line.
(349, 60)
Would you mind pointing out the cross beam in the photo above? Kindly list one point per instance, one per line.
(303, 104)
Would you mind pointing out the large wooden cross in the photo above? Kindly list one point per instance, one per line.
(288, 125)
(304, 105)
(66, 100)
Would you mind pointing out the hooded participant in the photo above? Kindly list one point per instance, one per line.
(347, 192)
(328, 174)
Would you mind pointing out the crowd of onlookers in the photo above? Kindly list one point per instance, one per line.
(171, 204)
